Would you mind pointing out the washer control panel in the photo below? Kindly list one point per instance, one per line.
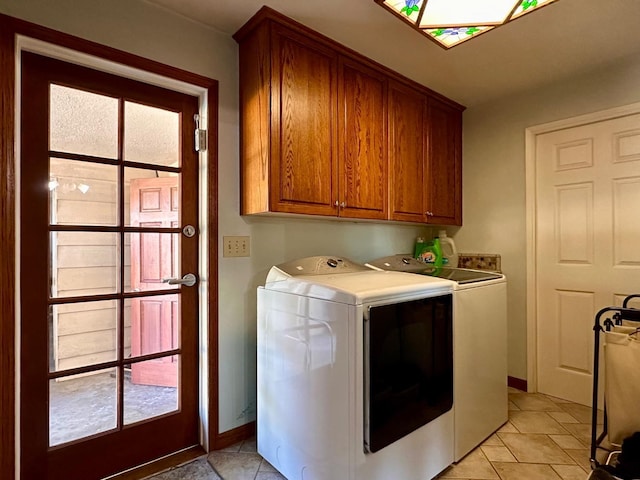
(320, 265)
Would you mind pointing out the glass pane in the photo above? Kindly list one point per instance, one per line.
(453, 36)
(409, 9)
(81, 406)
(151, 390)
(527, 6)
(83, 334)
(83, 122)
(153, 257)
(84, 263)
(152, 198)
(155, 324)
(82, 193)
(151, 135)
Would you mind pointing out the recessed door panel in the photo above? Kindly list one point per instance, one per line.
(574, 335)
(574, 154)
(574, 223)
(626, 229)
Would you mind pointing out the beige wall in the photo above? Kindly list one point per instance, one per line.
(494, 173)
(140, 28)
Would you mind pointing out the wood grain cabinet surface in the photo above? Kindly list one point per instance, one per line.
(407, 153)
(424, 158)
(303, 125)
(362, 141)
(444, 164)
(326, 131)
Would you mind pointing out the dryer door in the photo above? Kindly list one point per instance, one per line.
(408, 368)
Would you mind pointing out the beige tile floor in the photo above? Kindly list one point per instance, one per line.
(545, 439)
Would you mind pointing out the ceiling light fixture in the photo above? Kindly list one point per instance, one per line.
(451, 22)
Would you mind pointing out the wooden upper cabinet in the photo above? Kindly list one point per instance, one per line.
(325, 131)
(444, 163)
(424, 157)
(407, 135)
(303, 125)
(288, 122)
(255, 121)
(362, 140)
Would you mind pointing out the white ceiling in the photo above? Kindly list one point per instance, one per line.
(564, 39)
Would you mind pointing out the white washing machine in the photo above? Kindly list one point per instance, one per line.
(355, 372)
(479, 345)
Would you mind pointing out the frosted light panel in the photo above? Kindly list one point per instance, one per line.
(451, 22)
(443, 13)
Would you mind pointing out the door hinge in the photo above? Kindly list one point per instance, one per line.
(200, 135)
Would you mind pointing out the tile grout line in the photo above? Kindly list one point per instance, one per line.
(491, 464)
(564, 450)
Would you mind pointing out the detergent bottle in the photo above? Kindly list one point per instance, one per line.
(429, 252)
(448, 246)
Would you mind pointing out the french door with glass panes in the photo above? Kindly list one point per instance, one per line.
(108, 230)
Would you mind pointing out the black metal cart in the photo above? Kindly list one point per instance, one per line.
(616, 317)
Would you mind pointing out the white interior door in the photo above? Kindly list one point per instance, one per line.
(587, 245)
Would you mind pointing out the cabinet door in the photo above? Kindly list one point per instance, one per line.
(362, 136)
(407, 136)
(303, 129)
(444, 164)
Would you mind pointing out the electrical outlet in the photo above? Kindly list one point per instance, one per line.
(235, 247)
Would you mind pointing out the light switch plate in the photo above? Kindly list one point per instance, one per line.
(235, 246)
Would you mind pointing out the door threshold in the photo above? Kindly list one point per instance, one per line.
(159, 465)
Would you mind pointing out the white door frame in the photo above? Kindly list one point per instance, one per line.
(531, 201)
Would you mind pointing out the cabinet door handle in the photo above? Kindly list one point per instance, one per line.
(429, 214)
(343, 204)
(336, 204)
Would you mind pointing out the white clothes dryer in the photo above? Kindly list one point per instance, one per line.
(355, 372)
(479, 347)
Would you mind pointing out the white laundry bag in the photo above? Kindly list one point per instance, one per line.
(622, 381)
